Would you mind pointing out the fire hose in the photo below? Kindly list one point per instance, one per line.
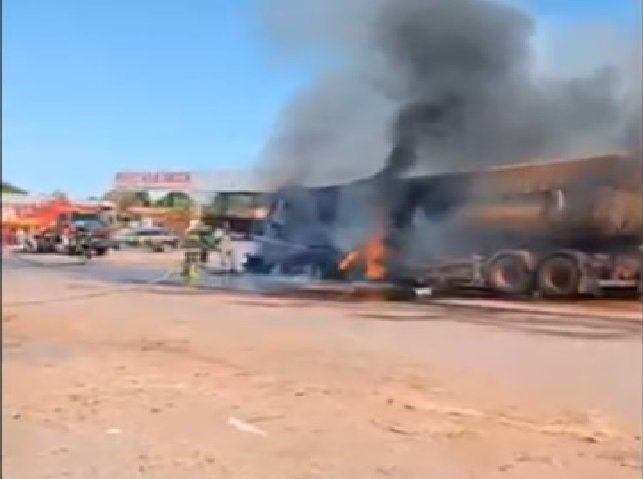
(41, 264)
(73, 297)
(191, 269)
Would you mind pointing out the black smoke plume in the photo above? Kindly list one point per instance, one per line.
(409, 87)
(439, 85)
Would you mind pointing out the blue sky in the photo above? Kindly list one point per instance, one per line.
(93, 87)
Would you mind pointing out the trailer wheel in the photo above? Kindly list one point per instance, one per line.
(559, 276)
(509, 274)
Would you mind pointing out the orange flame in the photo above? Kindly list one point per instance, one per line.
(374, 254)
(349, 260)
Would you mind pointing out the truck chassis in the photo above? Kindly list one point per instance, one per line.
(522, 273)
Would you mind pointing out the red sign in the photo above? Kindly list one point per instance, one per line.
(153, 180)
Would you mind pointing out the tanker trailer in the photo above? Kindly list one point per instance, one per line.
(558, 229)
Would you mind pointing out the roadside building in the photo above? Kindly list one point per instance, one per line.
(216, 198)
(235, 198)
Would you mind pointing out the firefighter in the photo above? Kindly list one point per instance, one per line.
(193, 249)
(30, 242)
(23, 239)
(65, 237)
(81, 242)
(193, 238)
(204, 244)
(226, 249)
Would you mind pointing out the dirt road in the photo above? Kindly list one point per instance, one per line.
(160, 384)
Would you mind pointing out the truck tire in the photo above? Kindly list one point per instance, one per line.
(509, 274)
(559, 276)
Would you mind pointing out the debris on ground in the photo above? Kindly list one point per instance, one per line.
(245, 426)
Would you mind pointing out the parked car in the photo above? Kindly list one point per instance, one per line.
(122, 237)
(157, 239)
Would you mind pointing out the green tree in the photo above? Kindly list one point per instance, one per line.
(12, 189)
(128, 199)
(175, 199)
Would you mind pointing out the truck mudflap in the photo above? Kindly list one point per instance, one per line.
(622, 272)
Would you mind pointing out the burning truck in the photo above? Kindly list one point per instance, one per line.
(456, 87)
(559, 228)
